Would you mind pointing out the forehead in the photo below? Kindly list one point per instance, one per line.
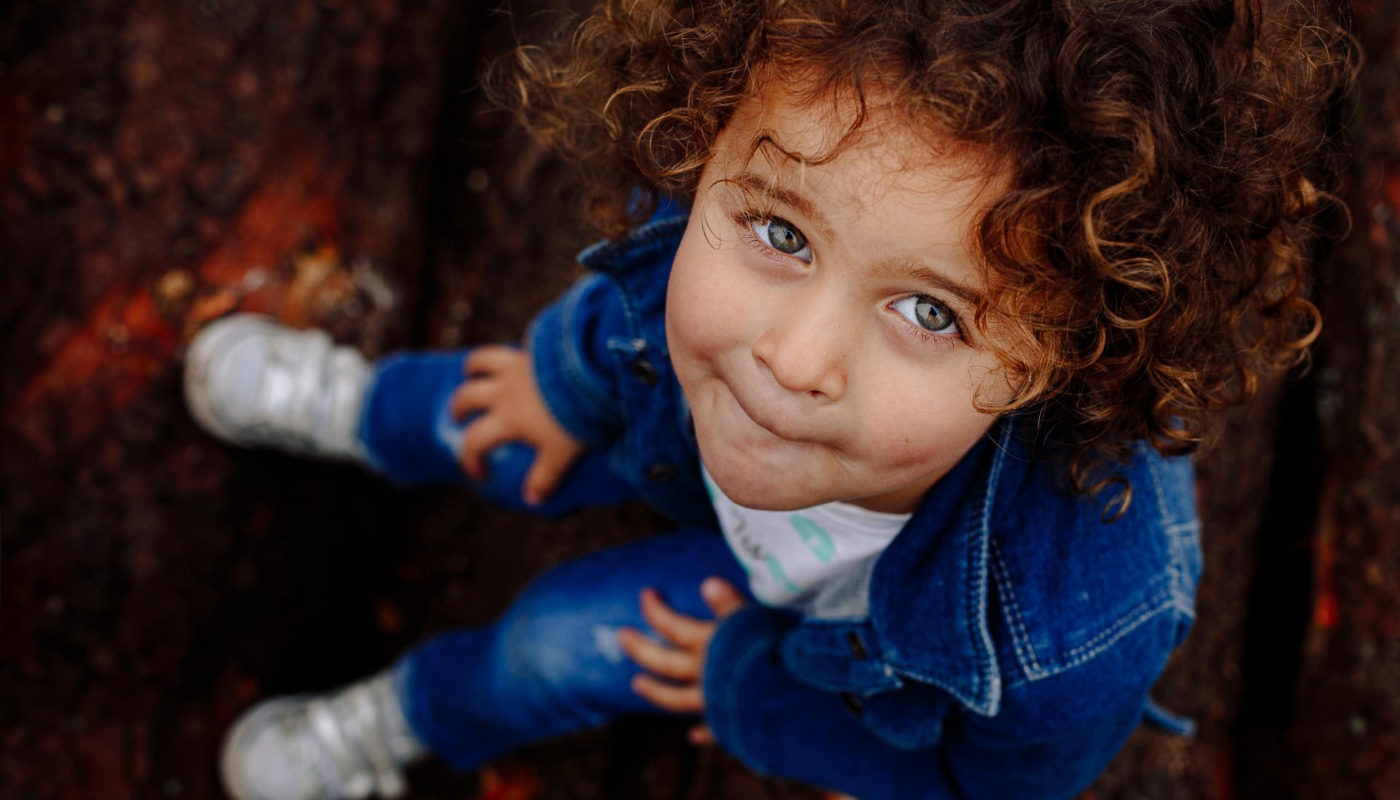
(836, 142)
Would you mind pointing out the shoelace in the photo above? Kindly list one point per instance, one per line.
(301, 391)
(354, 756)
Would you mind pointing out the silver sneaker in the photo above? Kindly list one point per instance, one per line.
(344, 745)
(252, 381)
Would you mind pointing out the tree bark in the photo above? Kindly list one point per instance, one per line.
(329, 163)
(1345, 742)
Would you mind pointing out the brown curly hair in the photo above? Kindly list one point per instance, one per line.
(1148, 257)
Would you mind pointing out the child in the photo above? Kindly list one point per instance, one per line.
(931, 299)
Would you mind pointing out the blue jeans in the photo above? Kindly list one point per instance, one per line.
(411, 439)
(552, 663)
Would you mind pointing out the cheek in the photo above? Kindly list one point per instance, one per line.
(915, 430)
(689, 329)
(683, 300)
(704, 314)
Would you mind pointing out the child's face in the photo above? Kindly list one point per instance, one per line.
(821, 335)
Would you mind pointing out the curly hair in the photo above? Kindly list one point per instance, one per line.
(1148, 257)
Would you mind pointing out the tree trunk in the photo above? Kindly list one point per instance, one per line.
(1345, 741)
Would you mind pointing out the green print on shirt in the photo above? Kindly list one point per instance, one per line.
(776, 570)
(814, 537)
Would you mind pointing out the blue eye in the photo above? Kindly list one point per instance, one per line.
(782, 236)
(928, 313)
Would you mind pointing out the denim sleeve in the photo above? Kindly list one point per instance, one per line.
(779, 726)
(762, 714)
(573, 368)
(1038, 747)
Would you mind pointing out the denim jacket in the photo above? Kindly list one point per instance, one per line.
(1013, 633)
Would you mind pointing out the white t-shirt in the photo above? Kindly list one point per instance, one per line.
(816, 561)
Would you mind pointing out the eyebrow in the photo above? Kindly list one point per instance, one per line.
(789, 197)
(923, 273)
(896, 268)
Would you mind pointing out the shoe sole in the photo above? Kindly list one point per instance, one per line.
(265, 714)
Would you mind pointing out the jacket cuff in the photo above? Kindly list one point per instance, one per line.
(572, 380)
(742, 668)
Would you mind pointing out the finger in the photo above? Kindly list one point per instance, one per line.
(474, 395)
(549, 466)
(486, 432)
(721, 596)
(701, 735)
(685, 699)
(679, 629)
(489, 358)
(657, 658)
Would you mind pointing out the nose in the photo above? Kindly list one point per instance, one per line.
(804, 348)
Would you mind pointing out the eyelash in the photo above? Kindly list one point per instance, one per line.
(944, 340)
(743, 221)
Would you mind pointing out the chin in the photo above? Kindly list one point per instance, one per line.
(762, 492)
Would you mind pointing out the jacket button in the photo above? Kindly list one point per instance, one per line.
(645, 371)
(852, 703)
(661, 472)
(856, 645)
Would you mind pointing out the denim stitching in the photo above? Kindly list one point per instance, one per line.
(978, 517)
(1180, 534)
(1126, 624)
(1174, 564)
(1181, 593)
(977, 622)
(1020, 638)
(1151, 462)
(1077, 655)
(1183, 536)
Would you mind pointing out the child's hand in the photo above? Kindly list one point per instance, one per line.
(680, 660)
(502, 387)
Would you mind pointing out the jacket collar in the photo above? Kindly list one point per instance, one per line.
(929, 593)
(637, 250)
(632, 264)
